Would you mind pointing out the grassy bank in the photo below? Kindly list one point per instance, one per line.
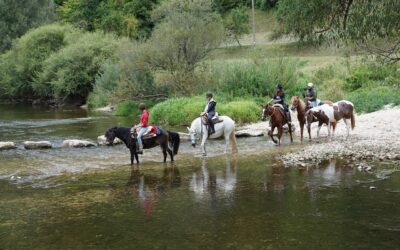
(182, 111)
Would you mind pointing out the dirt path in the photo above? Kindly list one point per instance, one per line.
(375, 137)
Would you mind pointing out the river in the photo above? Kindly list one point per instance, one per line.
(93, 199)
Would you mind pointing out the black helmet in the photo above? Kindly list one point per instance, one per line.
(279, 86)
(209, 94)
(142, 106)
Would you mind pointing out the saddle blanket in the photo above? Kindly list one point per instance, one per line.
(152, 131)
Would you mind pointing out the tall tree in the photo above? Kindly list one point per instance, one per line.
(17, 17)
(372, 24)
(186, 31)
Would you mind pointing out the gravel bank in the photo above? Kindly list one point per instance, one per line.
(375, 137)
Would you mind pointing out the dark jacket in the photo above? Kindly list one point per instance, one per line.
(311, 94)
(280, 98)
(211, 107)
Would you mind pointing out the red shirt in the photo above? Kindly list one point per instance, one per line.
(144, 118)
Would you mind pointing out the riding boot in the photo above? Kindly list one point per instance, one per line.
(140, 149)
(212, 129)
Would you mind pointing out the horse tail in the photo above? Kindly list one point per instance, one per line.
(353, 120)
(234, 142)
(174, 140)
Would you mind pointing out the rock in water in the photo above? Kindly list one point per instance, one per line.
(7, 145)
(78, 144)
(37, 145)
(101, 140)
(249, 133)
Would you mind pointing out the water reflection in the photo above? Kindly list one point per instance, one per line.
(207, 184)
(149, 189)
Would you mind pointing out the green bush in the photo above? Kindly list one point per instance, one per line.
(372, 99)
(130, 108)
(182, 111)
(21, 65)
(247, 78)
(72, 70)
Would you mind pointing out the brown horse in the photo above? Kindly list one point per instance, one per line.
(344, 110)
(298, 104)
(277, 119)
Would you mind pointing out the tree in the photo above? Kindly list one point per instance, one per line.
(17, 17)
(186, 31)
(363, 22)
(237, 23)
(129, 18)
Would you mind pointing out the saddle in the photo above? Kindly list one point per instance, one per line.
(282, 110)
(152, 131)
(216, 119)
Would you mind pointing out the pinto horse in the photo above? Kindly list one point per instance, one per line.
(344, 110)
(277, 119)
(297, 104)
(324, 114)
(167, 140)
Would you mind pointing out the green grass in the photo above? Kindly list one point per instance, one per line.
(182, 111)
(372, 99)
(130, 108)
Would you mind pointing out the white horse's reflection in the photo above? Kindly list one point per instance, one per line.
(205, 184)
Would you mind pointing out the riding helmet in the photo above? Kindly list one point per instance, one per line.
(279, 86)
(209, 94)
(142, 106)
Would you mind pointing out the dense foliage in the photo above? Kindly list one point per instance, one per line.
(17, 17)
(54, 61)
(126, 18)
(371, 24)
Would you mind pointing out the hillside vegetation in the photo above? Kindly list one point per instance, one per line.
(125, 52)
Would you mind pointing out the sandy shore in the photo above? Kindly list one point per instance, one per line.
(375, 137)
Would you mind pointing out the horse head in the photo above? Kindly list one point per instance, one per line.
(266, 111)
(192, 135)
(110, 136)
(295, 101)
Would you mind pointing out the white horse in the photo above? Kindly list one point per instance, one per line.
(225, 128)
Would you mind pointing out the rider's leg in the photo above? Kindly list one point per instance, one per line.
(142, 131)
(210, 122)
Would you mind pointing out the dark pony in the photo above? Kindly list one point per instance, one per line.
(167, 140)
(277, 119)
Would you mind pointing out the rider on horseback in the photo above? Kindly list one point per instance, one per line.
(142, 126)
(311, 95)
(279, 98)
(210, 111)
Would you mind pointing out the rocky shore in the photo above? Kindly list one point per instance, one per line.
(376, 137)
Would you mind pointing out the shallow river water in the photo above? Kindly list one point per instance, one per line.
(93, 199)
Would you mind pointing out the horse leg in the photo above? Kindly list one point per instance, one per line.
(272, 134)
(137, 158)
(319, 128)
(309, 130)
(329, 130)
(164, 151)
(347, 127)
(290, 132)
(334, 128)
(170, 153)
(203, 144)
(301, 130)
(132, 155)
(226, 142)
(280, 128)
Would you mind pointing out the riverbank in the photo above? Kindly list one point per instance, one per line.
(375, 137)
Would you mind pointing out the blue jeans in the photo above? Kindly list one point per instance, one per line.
(140, 134)
(314, 103)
